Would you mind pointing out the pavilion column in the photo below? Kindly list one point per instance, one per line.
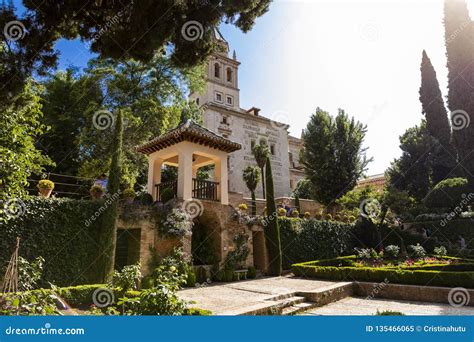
(154, 175)
(185, 174)
(221, 176)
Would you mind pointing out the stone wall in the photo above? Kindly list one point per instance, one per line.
(219, 219)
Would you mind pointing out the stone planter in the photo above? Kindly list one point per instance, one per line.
(45, 192)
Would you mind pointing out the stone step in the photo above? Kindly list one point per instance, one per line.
(297, 308)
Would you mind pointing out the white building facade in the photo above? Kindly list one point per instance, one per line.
(223, 115)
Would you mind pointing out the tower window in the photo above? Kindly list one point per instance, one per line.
(197, 101)
(229, 75)
(224, 120)
(229, 100)
(272, 149)
(217, 70)
(219, 97)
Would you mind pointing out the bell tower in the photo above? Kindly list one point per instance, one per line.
(222, 86)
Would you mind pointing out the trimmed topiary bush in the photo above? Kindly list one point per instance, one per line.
(448, 193)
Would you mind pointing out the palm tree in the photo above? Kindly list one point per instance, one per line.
(251, 178)
(261, 152)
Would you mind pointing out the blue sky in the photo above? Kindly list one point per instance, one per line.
(361, 55)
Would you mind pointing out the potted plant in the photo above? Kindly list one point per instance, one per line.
(45, 187)
(243, 207)
(129, 195)
(96, 192)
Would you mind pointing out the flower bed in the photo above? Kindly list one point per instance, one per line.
(431, 271)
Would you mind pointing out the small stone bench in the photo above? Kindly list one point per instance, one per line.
(241, 274)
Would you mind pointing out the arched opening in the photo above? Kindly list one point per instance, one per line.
(217, 70)
(229, 75)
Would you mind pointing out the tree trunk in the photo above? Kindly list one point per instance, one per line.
(263, 182)
(254, 204)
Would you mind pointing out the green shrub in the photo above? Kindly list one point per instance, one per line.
(421, 275)
(416, 251)
(295, 213)
(29, 273)
(303, 240)
(389, 313)
(145, 198)
(62, 231)
(440, 251)
(128, 278)
(129, 193)
(448, 193)
(392, 251)
(39, 302)
(196, 312)
(79, 295)
(167, 195)
(252, 272)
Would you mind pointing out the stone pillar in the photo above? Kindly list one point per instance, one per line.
(185, 175)
(221, 175)
(154, 175)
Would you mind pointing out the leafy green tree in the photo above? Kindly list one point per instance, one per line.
(19, 157)
(272, 231)
(121, 30)
(67, 99)
(443, 155)
(251, 176)
(261, 153)
(303, 189)
(333, 156)
(412, 171)
(459, 51)
(352, 200)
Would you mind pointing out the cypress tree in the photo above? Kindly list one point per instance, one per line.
(460, 53)
(437, 122)
(272, 230)
(109, 228)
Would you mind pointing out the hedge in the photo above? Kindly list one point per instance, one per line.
(303, 239)
(448, 193)
(63, 231)
(400, 275)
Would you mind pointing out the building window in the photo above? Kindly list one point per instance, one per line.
(219, 97)
(224, 120)
(252, 143)
(291, 157)
(197, 101)
(229, 75)
(229, 100)
(272, 149)
(217, 70)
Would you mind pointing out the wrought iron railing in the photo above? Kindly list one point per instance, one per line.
(173, 185)
(203, 189)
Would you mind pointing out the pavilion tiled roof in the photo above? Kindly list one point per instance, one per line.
(192, 132)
